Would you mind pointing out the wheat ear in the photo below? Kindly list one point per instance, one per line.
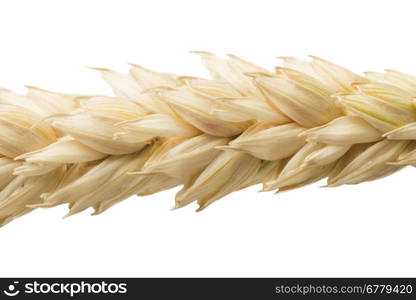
(247, 125)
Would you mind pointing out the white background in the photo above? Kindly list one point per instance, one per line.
(364, 230)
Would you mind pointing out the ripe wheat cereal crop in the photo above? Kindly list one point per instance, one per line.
(246, 125)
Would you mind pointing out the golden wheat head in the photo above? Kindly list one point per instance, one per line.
(247, 125)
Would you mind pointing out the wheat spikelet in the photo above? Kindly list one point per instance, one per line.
(304, 121)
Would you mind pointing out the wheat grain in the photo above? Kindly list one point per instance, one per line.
(246, 125)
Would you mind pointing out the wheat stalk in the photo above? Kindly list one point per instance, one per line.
(247, 125)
